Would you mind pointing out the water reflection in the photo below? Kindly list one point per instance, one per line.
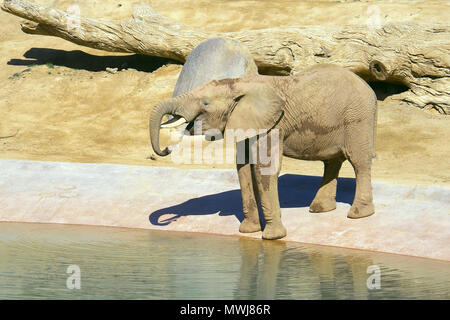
(275, 270)
(267, 266)
(259, 268)
(120, 263)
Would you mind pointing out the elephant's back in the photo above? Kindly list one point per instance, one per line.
(331, 93)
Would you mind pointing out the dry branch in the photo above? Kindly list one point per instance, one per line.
(417, 56)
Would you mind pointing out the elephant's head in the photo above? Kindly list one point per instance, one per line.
(219, 105)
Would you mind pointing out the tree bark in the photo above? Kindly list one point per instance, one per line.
(417, 56)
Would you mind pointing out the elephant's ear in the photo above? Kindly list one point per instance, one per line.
(258, 107)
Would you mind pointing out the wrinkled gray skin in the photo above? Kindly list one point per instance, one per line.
(324, 113)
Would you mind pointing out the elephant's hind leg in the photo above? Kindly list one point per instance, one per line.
(363, 203)
(360, 151)
(325, 199)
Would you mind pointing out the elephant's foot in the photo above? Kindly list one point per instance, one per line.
(322, 205)
(249, 226)
(274, 230)
(361, 210)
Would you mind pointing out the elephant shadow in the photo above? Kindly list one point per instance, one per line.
(294, 191)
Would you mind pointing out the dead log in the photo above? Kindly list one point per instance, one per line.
(416, 56)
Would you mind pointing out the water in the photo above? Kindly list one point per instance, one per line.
(118, 263)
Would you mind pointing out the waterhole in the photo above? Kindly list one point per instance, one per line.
(40, 261)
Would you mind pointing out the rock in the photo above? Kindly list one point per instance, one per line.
(413, 54)
(214, 59)
(112, 70)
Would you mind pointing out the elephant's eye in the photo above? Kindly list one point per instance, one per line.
(205, 103)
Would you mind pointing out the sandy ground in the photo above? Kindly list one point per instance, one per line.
(57, 102)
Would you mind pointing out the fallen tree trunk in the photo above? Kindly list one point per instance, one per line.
(417, 56)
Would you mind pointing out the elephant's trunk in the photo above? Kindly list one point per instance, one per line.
(182, 107)
(161, 109)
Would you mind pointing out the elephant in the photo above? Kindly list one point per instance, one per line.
(324, 113)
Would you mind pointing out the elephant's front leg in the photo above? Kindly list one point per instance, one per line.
(249, 200)
(266, 176)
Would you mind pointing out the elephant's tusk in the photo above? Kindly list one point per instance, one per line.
(174, 122)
